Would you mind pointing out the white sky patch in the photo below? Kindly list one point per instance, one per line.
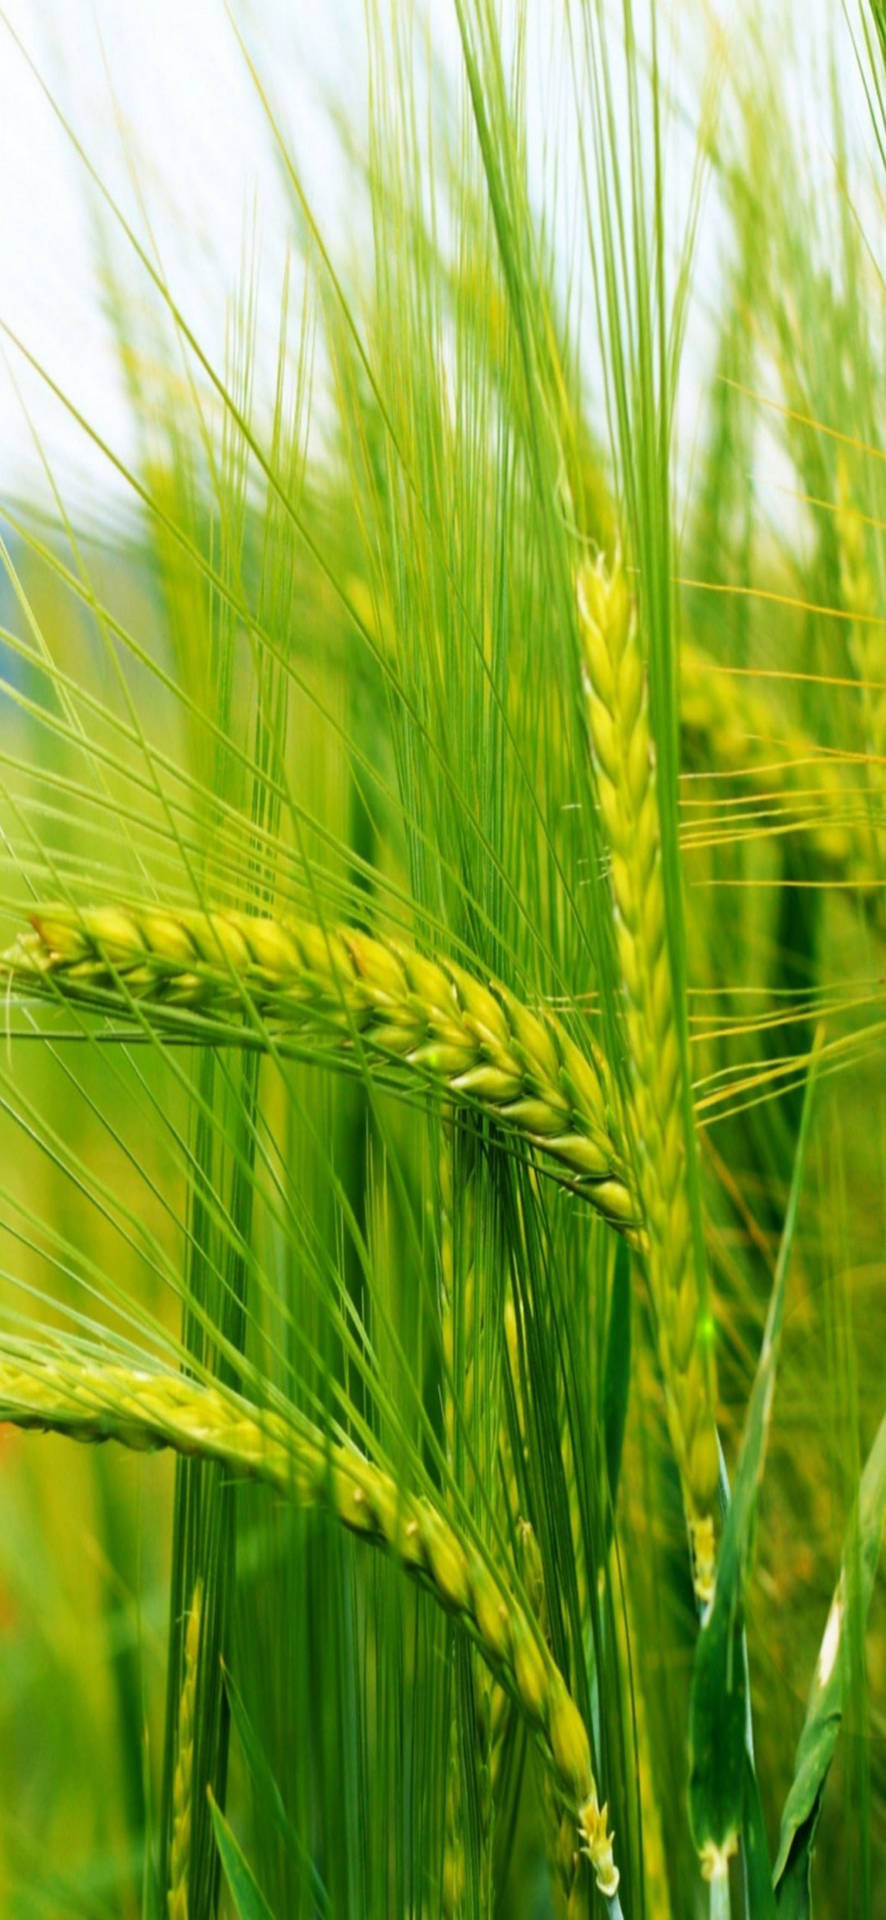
(830, 1644)
(161, 96)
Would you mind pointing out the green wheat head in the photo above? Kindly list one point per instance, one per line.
(475, 1042)
(624, 770)
(145, 1410)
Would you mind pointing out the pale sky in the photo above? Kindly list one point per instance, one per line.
(159, 92)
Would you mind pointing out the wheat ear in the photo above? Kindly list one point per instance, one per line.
(183, 1781)
(144, 1409)
(625, 782)
(477, 1043)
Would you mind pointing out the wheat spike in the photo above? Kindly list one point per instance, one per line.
(477, 1043)
(624, 773)
(183, 1781)
(145, 1409)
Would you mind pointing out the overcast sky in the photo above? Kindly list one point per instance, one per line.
(159, 93)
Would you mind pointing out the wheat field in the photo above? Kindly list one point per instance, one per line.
(442, 1117)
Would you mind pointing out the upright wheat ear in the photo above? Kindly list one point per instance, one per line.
(477, 1043)
(144, 1409)
(177, 1903)
(625, 782)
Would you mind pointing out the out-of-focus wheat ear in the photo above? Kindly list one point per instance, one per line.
(623, 761)
(177, 1900)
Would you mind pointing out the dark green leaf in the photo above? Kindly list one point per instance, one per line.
(794, 1900)
(718, 1711)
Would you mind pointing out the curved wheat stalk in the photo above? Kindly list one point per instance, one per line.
(145, 1410)
(476, 1043)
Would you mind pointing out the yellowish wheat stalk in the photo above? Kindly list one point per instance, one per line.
(625, 783)
(183, 1779)
(476, 1042)
(145, 1409)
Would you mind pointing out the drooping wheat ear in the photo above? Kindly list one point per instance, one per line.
(183, 1779)
(625, 782)
(143, 1409)
(727, 728)
(476, 1043)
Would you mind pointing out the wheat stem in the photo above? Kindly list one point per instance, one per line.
(625, 783)
(144, 1409)
(477, 1043)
